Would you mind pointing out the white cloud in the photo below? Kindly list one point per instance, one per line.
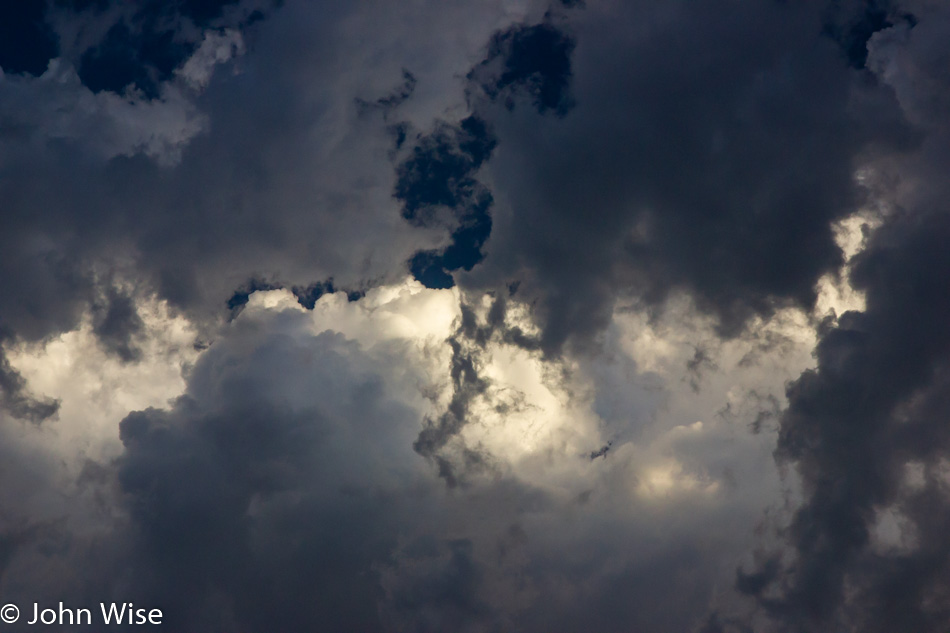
(97, 389)
(216, 48)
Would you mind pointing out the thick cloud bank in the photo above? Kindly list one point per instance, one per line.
(499, 316)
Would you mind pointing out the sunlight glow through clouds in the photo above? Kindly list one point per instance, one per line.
(97, 389)
(535, 424)
(538, 425)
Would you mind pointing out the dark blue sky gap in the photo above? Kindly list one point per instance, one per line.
(139, 53)
(27, 43)
(439, 172)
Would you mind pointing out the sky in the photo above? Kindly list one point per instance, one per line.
(540, 316)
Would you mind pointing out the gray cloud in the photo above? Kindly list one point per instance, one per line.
(16, 399)
(573, 163)
(706, 154)
(254, 504)
(191, 192)
(874, 406)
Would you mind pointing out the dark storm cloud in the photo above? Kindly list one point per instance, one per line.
(438, 432)
(438, 174)
(851, 24)
(439, 439)
(199, 192)
(718, 170)
(281, 492)
(192, 190)
(706, 153)
(447, 576)
(875, 408)
(393, 100)
(139, 46)
(532, 59)
(696, 366)
(495, 326)
(262, 499)
(613, 152)
(117, 324)
(16, 399)
(873, 405)
(246, 491)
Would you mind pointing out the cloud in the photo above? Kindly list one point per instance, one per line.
(535, 59)
(17, 401)
(194, 183)
(707, 154)
(287, 461)
(321, 316)
(869, 411)
(216, 48)
(435, 186)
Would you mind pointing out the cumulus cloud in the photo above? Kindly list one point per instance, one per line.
(687, 164)
(291, 455)
(517, 315)
(869, 411)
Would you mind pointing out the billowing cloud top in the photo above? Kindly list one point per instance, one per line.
(517, 315)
